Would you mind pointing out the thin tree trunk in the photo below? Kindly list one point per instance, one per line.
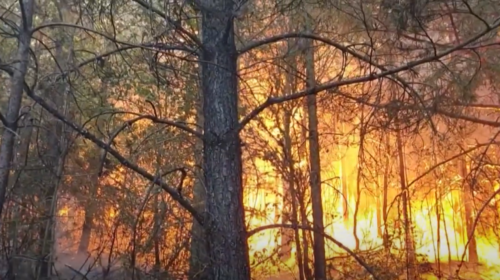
(301, 191)
(198, 260)
(305, 223)
(378, 201)
(358, 179)
(468, 201)
(301, 188)
(438, 202)
(438, 230)
(54, 162)
(20, 160)
(90, 204)
(448, 245)
(385, 194)
(345, 183)
(16, 95)
(222, 163)
(454, 229)
(88, 222)
(357, 199)
(159, 208)
(315, 165)
(292, 193)
(409, 244)
(286, 214)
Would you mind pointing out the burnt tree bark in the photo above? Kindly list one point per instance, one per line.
(225, 218)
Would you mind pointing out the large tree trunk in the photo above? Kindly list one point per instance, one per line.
(16, 95)
(315, 165)
(225, 217)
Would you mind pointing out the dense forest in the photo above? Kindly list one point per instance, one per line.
(250, 139)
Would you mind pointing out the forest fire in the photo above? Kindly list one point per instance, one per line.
(223, 139)
(437, 211)
(444, 243)
(369, 206)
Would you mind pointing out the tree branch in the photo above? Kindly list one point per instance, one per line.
(468, 118)
(150, 46)
(125, 162)
(144, 117)
(3, 120)
(156, 47)
(174, 23)
(445, 161)
(154, 119)
(335, 84)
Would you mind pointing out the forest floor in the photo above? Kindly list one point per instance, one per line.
(431, 271)
(467, 271)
